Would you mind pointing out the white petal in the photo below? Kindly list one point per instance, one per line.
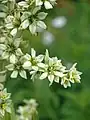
(33, 52)
(65, 85)
(42, 15)
(48, 5)
(13, 32)
(25, 24)
(27, 57)
(14, 74)
(72, 81)
(32, 72)
(32, 28)
(44, 75)
(23, 4)
(19, 52)
(35, 10)
(40, 58)
(10, 67)
(9, 26)
(35, 68)
(23, 74)
(41, 24)
(41, 65)
(5, 55)
(39, 2)
(59, 74)
(56, 79)
(13, 59)
(3, 15)
(16, 42)
(27, 65)
(25, 15)
(50, 62)
(62, 81)
(51, 78)
(2, 47)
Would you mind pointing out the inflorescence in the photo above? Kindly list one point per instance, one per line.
(29, 15)
(15, 17)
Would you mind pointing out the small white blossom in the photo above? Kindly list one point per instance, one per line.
(52, 69)
(71, 76)
(12, 23)
(16, 67)
(74, 75)
(65, 81)
(33, 20)
(10, 48)
(32, 62)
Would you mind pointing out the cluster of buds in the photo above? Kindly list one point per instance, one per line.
(28, 111)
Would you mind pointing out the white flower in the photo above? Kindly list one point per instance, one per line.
(10, 48)
(32, 61)
(65, 81)
(74, 75)
(33, 20)
(71, 76)
(51, 69)
(16, 67)
(12, 23)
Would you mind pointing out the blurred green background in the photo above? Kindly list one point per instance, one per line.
(68, 38)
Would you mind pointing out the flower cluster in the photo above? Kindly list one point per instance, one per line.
(5, 7)
(10, 47)
(29, 111)
(42, 65)
(15, 17)
(5, 102)
(29, 15)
